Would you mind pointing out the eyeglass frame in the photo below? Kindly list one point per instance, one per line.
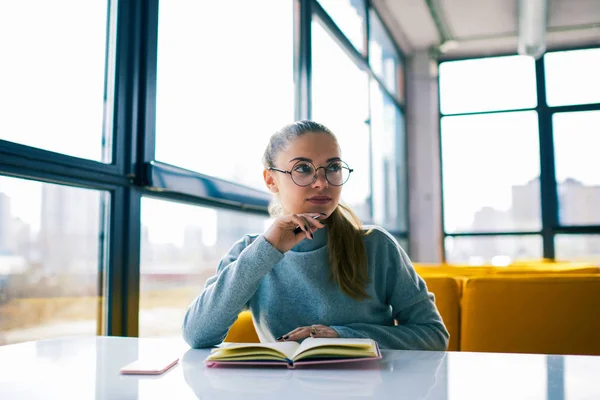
(350, 170)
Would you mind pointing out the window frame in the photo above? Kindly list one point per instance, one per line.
(548, 185)
(134, 172)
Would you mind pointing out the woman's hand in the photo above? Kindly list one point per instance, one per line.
(281, 233)
(315, 331)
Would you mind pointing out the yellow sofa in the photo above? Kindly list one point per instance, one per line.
(550, 314)
(469, 316)
(447, 299)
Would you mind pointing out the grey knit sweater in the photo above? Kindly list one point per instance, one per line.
(286, 291)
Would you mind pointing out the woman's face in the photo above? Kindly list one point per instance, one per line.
(320, 196)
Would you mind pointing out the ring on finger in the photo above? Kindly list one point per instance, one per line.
(313, 330)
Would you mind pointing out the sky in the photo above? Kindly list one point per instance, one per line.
(214, 86)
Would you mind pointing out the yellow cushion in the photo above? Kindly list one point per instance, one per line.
(452, 270)
(548, 270)
(447, 300)
(550, 314)
(242, 331)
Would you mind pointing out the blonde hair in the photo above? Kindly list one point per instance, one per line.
(347, 253)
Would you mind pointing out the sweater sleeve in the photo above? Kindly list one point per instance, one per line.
(420, 326)
(209, 317)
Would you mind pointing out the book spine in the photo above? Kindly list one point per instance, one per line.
(290, 363)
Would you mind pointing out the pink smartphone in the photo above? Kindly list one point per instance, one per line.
(150, 366)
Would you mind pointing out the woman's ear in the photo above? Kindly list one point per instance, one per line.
(270, 181)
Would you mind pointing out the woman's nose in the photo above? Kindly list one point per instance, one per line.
(321, 179)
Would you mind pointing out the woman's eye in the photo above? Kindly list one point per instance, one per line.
(334, 167)
(303, 169)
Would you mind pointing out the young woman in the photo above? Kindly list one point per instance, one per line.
(316, 272)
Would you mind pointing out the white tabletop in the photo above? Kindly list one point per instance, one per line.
(88, 368)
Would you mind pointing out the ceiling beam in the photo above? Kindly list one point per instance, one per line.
(398, 34)
(440, 21)
(509, 35)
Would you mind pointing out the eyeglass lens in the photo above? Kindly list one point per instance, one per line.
(336, 173)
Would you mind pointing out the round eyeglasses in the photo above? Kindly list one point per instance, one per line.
(304, 173)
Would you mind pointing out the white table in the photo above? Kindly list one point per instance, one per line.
(88, 368)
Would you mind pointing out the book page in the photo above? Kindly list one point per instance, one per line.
(352, 345)
(228, 350)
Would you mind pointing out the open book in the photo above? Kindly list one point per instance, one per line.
(310, 351)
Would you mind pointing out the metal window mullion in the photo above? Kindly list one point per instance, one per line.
(548, 189)
(122, 276)
(499, 233)
(145, 129)
(367, 31)
(302, 59)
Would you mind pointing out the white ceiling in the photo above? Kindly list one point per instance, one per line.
(486, 27)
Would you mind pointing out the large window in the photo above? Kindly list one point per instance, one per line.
(52, 240)
(572, 77)
(340, 101)
(521, 184)
(223, 75)
(52, 76)
(131, 139)
(491, 172)
(389, 162)
(349, 16)
(384, 58)
(487, 84)
(495, 250)
(181, 246)
(576, 141)
(582, 248)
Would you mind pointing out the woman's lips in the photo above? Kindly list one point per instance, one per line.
(319, 200)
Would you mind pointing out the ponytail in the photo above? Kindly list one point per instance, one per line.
(347, 254)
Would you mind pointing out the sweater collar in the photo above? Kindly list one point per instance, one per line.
(320, 240)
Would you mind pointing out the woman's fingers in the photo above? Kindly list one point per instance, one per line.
(302, 223)
(313, 221)
(297, 334)
(307, 223)
(301, 334)
(288, 230)
(287, 335)
(315, 331)
(323, 331)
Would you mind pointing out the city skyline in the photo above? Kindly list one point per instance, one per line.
(576, 206)
(65, 208)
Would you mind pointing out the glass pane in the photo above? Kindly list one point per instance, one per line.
(53, 93)
(221, 85)
(389, 163)
(576, 144)
(584, 248)
(491, 168)
(487, 84)
(340, 101)
(181, 247)
(572, 77)
(384, 58)
(349, 16)
(495, 250)
(52, 241)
